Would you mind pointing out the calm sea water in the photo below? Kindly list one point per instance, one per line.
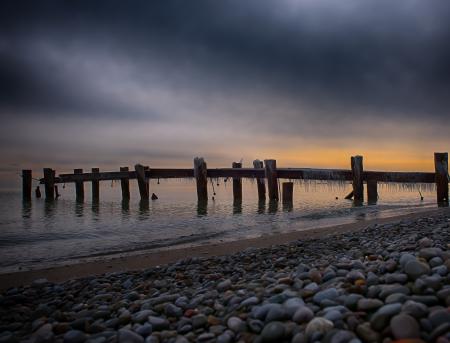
(39, 233)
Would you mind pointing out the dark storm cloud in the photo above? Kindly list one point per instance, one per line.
(338, 59)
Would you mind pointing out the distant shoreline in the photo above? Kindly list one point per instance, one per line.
(151, 259)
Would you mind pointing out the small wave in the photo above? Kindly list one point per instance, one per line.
(163, 243)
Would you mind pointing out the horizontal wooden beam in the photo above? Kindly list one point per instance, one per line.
(236, 172)
(118, 175)
(314, 174)
(282, 173)
(402, 177)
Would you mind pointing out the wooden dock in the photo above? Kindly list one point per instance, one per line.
(266, 174)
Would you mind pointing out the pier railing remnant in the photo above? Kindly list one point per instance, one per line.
(260, 172)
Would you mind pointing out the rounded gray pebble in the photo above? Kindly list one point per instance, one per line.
(273, 332)
(404, 326)
(74, 336)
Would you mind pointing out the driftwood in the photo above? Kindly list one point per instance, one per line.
(349, 196)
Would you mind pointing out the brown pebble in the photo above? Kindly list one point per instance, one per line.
(315, 276)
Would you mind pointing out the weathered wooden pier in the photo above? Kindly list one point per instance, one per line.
(263, 173)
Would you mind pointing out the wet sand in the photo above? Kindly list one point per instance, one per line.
(151, 259)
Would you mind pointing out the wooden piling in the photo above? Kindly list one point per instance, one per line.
(26, 184)
(357, 173)
(79, 186)
(49, 182)
(287, 192)
(257, 164)
(95, 186)
(272, 181)
(372, 191)
(147, 182)
(273, 206)
(142, 182)
(202, 207)
(201, 177)
(125, 185)
(237, 184)
(442, 176)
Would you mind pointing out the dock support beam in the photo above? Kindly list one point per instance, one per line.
(95, 186)
(357, 171)
(142, 182)
(287, 192)
(125, 185)
(372, 191)
(26, 185)
(271, 176)
(237, 184)
(257, 164)
(79, 186)
(201, 178)
(441, 168)
(49, 181)
(147, 181)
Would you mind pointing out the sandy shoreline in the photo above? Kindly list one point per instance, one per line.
(150, 259)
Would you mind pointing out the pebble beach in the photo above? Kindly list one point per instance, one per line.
(388, 282)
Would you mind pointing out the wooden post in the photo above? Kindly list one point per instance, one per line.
(261, 206)
(273, 206)
(201, 176)
(441, 168)
(79, 186)
(142, 182)
(95, 186)
(202, 207)
(144, 207)
(49, 181)
(237, 184)
(271, 176)
(358, 186)
(372, 191)
(125, 206)
(257, 164)
(26, 185)
(147, 181)
(287, 192)
(125, 185)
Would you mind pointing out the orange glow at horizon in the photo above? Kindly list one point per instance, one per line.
(340, 158)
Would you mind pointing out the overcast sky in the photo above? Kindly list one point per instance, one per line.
(111, 83)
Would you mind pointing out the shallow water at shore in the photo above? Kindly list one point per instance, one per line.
(40, 234)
